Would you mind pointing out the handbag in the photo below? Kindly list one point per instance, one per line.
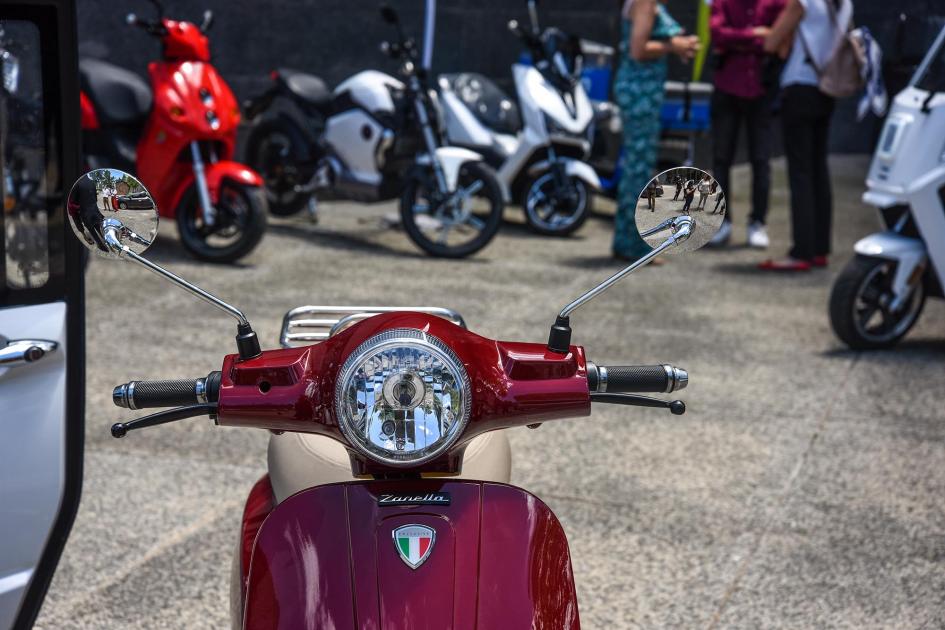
(843, 74)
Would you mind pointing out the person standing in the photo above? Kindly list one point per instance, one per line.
(743, 96)
(705, 187)
(679, 184)
(689, 195)
(817, 28)
(649, 34)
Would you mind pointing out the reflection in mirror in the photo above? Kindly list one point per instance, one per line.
(680, 192)
(26, 176)
(110, 210)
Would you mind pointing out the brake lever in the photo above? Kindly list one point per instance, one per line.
(676, 407)
(120, 429)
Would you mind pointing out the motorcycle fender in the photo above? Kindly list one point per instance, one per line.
(489, 555)
(908, 253)
(451, 159)
(215, 173)
(574, 168)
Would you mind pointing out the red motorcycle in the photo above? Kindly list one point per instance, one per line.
(179, 135)
(362, 521)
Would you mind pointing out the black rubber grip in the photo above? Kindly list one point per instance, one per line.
(634, 379)
(173, 393)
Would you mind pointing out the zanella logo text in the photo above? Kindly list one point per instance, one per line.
(429, 498)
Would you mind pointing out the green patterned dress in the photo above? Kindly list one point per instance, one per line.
(638, 89)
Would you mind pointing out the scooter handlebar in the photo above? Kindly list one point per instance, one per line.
(167, 393)
(635, 378)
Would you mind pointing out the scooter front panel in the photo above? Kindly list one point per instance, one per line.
(419, 554)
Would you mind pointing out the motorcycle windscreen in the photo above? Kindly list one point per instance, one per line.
(353, 556)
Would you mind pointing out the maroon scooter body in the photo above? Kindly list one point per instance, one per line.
(326, 558)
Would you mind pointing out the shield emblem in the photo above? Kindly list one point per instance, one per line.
(414, 543)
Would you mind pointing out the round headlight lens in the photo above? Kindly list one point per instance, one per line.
(402, 397)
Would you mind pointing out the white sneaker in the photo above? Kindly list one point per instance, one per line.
(758, 235)
(721, 237)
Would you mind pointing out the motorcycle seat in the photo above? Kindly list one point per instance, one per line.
(120, 96)
(306, 87)
(302, 460)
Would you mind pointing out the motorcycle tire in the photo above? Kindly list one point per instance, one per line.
(856, 299)
(241, 223)
(487, 220)
(275, 150)
(570, 222)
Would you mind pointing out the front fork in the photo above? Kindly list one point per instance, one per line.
(203, 191)
(429, 138)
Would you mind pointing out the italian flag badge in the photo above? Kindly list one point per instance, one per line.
(414, 543)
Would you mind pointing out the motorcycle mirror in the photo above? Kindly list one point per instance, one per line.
(207, 21)
(110, 210)
(680, 192)
(388, 13)
(114, 216)
(666, 225)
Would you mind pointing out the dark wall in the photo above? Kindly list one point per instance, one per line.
(334, 38)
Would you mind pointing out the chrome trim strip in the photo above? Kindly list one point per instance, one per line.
(311, 324)
(130, 395)
(601, 378)
(200, 390)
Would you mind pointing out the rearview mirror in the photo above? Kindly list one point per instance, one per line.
(114, 216)
(110, 210)
(680, 192)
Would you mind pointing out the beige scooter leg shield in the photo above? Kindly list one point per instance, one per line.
(299, 460)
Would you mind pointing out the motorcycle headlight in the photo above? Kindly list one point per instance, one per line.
(402, 398)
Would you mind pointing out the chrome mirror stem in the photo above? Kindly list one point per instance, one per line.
(559, 340)
(209, 298)
(246, 340)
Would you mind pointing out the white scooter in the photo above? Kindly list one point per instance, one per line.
(542, 164)
(880, 294)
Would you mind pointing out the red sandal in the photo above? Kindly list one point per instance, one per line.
(785, 264)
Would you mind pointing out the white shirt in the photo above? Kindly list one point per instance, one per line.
(822, 37)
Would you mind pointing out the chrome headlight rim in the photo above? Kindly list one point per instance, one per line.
(399, 338)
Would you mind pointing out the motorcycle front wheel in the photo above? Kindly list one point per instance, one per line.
(274, 150)
(859, 305)
(555, 209)
(238, 228)
(458, 225)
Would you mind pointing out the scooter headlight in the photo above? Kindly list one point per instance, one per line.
(402, 397)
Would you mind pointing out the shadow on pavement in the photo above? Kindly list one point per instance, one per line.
(347, 242)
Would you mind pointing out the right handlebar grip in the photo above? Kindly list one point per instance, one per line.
(625, 379)
(167, 393)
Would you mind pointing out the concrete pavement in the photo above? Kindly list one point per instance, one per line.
(803, 488)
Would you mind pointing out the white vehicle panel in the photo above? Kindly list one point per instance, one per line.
(462, 126)
(345, 133)
(32, 431)
(371, 90)
(544, 98)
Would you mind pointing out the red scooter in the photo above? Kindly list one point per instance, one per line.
(179, 135)
(358, 524)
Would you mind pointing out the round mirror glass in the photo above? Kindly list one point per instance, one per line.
(680, 192)
(109, 202)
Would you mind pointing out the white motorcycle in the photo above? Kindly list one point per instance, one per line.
(374, 138)
(541, 165)
(880, 294)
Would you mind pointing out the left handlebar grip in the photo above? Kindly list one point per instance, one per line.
(167, 393)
